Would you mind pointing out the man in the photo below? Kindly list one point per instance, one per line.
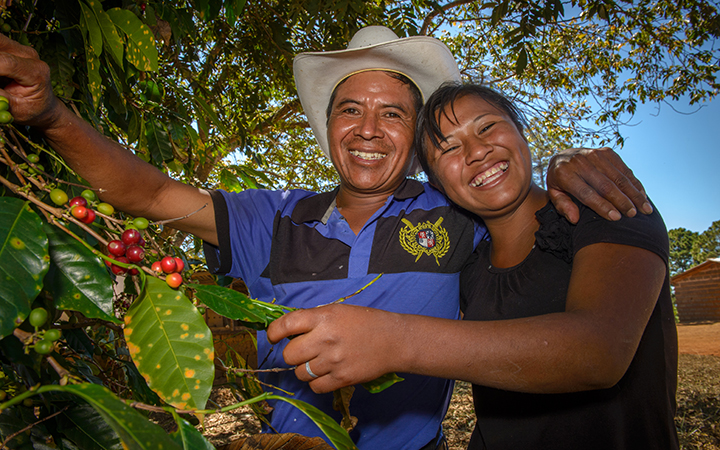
(306, 249)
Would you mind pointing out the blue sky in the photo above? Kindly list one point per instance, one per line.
(677, 158)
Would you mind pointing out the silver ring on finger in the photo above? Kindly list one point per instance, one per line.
(307, 368)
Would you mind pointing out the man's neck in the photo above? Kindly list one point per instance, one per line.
(357, 208)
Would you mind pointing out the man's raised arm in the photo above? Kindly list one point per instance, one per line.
(122, 179)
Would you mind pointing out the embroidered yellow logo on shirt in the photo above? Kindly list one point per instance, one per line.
(425, 238)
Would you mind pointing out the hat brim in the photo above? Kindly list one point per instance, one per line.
(425, 60)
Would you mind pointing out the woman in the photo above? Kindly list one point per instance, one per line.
(568, 334)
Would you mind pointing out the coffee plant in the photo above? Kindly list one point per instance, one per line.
(92, 336)
(99, 325)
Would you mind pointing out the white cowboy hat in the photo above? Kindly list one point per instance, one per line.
(425, 60)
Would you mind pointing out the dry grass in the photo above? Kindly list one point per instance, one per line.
(698, 415)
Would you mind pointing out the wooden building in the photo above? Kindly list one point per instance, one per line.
(697, 292)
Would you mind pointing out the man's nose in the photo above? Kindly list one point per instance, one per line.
(369, 126)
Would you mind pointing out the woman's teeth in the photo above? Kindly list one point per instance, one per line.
(489, 175)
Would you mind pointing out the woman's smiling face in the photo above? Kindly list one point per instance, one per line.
(484, 163)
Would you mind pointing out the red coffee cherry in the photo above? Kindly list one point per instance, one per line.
(174, 280)
(79, 212)
(131, 236)
(116, 248)
(78, 201)
(168, 264)
(135, 253)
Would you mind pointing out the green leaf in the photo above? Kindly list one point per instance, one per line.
(112, 39)
(229, 181)
(13, 420)
(87, 428)
(140, 390)
(24, 260)
(158, 141)
(188, 437)
(171, 345)
(334, 432)
(209, 112)
(78, 279)
(379, 384)
(135, 431)
(141, 50)
(521, 62)
(237, 306)
(94, 80)
(62, 68)
(233, 10)
(91, 30)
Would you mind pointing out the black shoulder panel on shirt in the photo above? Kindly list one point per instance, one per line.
(439, 240)
(223, 263)
(299, 253)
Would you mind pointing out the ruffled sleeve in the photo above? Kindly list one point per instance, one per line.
(555, 233)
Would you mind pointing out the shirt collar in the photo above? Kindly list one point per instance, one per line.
(319, 207)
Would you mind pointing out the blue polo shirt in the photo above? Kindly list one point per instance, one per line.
(296, 248)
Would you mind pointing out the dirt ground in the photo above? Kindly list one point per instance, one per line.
(698, 417)
(699, 338)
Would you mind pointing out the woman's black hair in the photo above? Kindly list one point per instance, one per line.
(443, 100)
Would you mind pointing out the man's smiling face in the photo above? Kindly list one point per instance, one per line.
(370, 132)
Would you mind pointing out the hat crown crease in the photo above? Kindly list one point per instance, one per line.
(372, 35)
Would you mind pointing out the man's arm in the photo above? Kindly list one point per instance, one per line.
(612, 293)
(598, 178)
(122, 179)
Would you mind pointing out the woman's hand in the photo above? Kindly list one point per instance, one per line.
(343, 344)
(598, 178)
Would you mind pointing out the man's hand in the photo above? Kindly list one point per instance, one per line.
(26, 85)
(598, 178)
(343, 344)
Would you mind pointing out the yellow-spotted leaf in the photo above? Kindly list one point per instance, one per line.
(91, 29)
(110, 35)
(237, 306)
(93, 48)
(24, 260)
(171, 345)
(141, 50)
(134, 430)
(77, 278)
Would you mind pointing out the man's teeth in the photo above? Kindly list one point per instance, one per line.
(368, 156)
(490, 175)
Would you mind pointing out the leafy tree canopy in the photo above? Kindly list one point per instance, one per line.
(187, 83)
(681, 245)
(688, 248)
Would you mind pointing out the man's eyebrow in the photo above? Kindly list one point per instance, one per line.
(346, 101)
(350, 101)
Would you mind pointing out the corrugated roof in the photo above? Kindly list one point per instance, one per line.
(694, 269)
